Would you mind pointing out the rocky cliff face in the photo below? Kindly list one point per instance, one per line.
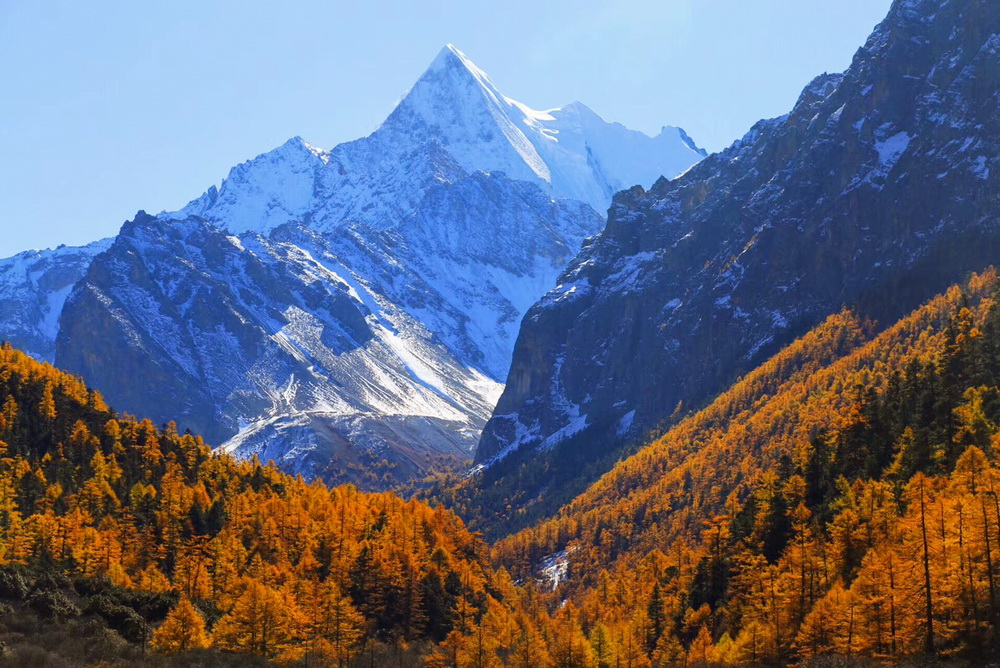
(271, 338)
(327, 352)
(878, 189)
(33, 287)
(351, 313)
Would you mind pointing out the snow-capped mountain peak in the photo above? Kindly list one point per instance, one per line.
(324, 307)
(477, 124)
(459, 66)
(453, 122)
(574, 152)
(268, 191)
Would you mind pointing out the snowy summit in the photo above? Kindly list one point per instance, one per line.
(328, 309)
(452, 122)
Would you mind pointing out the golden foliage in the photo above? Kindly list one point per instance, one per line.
(183, 629)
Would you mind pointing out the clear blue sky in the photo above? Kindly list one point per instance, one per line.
(107, 107)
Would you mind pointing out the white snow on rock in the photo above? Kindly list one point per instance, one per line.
(555, 568)
(451, 123)
(442, 227)
(892, 149)
(34, 286)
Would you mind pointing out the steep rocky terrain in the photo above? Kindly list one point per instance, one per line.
(351, 313)
(824, 504)
(877, 190)
(33, 287)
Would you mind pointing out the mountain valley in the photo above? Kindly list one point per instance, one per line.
(415, 401)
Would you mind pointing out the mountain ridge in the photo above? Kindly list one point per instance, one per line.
(33, 287)
(876, 190)
(431, 237)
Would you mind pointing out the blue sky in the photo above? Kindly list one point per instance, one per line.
(108, 107)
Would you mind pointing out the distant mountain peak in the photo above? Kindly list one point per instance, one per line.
(367, 295)
(298, 145)
(451, 59)
(452, 122)
(454, 73)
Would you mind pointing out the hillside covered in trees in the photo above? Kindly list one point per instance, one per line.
(842, 499)
(129, 537)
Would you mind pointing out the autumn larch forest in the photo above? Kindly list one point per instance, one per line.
(840, 500)
(498, 387)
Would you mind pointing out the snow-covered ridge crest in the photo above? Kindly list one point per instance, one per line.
(452, 122)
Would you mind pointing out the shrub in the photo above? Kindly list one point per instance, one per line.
(13, 583)
(53, 604)
(129, 623)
